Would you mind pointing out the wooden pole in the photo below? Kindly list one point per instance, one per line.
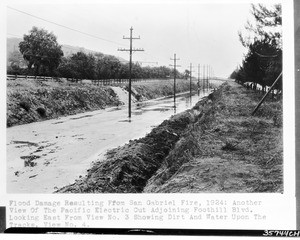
(175, 65)
(264, 97)
(175, 80)
(191, 79)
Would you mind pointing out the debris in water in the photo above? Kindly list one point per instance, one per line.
(26, 142)
(33, 176)
(28, 160)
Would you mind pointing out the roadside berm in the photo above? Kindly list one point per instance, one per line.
(217, 146)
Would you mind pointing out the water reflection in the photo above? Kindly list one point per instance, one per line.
(165, 107)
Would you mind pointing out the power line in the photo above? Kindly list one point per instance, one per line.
(69, 28)
(141, 62)
(60, 25)
(74, 49)
(62, 45)
(14, 35)
(90, 35)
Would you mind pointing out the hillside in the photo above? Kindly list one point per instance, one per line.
(12, 45)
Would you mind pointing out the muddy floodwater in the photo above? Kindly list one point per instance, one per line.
(44, 156)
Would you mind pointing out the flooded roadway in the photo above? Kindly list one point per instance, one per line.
(44, 156)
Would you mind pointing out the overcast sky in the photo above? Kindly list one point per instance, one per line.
(199, 33)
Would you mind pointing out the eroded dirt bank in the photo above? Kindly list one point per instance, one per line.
(31, 101)
(215, 147)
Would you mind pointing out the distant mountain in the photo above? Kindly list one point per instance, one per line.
(69, 50)
(12, 45)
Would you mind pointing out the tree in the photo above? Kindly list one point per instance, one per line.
(66, 69)
(187, 74)
(136, 71)
(107, 67)
(83, 65)
(79, 65)
(99, 66)
(267, 26)
(41, 50)
(263, 62)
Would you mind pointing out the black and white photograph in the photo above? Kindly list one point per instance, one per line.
(176, 105)
(147, 101)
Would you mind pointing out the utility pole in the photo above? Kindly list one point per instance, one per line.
(203, 78)
(198, 79)
(208, 75)
(130, 65)
(174, 59)
(191, 67)
(211, 75)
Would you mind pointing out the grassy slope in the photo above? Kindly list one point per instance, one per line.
(215, 147)
(159, 89)
(230, 150)
(31, 101)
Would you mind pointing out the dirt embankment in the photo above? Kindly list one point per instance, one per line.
(215, 147)
(31, 101)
